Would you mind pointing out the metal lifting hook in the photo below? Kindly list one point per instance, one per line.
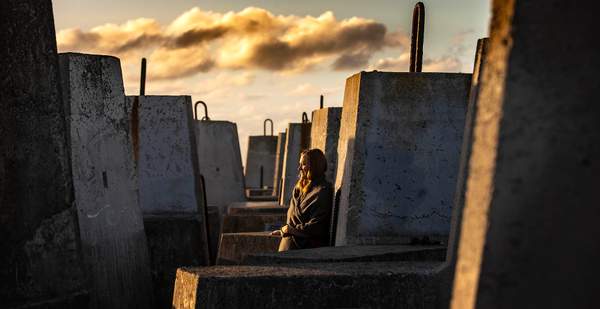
(205, 111)
(416, 39)
(265, 126)
(304, 117)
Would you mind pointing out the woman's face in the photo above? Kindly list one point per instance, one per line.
(303, 166)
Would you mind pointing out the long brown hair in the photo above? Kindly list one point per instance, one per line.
(317, 165)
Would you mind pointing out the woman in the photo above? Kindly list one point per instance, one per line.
(309, 215)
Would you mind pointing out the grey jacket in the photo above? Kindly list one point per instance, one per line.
(309, 217)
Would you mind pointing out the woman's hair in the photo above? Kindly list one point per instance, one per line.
(317, 165)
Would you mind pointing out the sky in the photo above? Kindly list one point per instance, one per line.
(252, 60)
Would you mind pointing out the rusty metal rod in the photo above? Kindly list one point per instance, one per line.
(416, 40)
(321, 102)
(143, 78)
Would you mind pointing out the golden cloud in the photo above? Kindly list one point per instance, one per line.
(254, 38)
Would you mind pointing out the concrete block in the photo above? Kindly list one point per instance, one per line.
(398, 155)
(324, 135)
(252, 222)
(105, 182)
(278, 164)
(350, 254)
(220, 162)
(234, 247)
(261, 152)
(40, 247)
(256, 208)
(297, 139)
(174, 241)
(323, 285)
(532, 187)
(165, 149)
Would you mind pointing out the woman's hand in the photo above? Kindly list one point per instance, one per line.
(277, 233)
(284, 230)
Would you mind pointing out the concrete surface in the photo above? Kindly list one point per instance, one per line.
(40, 247)
(167, 160)
(234, 247)
(256, 208)
(350, 254)
(252, 222)
(531, 206)
(220, 162)
(447, 275)
(174, 241)
(105, 182)
(324, 135)
(261, 152)
(291, 157)
(398, 156)
(279, 164)
(325, 285)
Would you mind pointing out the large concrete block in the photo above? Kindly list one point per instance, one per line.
(167, 159)
(256, 208)
(297, 139)
(220, 162)
(105, 182)
(324, 135)
(320, 285)
(173, 240)
(40, 250)
(531, 206)
(461, 183)
(279, 164)
(261, 153)
(253, 222)
(398, 155)
(234, 247)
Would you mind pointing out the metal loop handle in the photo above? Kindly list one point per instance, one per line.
(265, 126)
(304, 117)
(205, 111)
(416, 39)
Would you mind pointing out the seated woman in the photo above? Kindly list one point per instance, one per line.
(309, 215)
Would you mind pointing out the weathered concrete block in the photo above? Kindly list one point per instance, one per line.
(234, 247)
(174, 240)
(350, 254)
(279, 164)
(220, 162)
(105, 182)
(398, 155)
(256, 208)
(532, 188)
(324, 135)
(326, 285)
(165, 149)
(252, 223)
(297, 139)
(39, 244)
(261, 153)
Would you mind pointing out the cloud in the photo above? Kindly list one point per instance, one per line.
(254, 38)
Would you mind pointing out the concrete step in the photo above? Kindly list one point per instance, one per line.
(320, 285)
(350, 254)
